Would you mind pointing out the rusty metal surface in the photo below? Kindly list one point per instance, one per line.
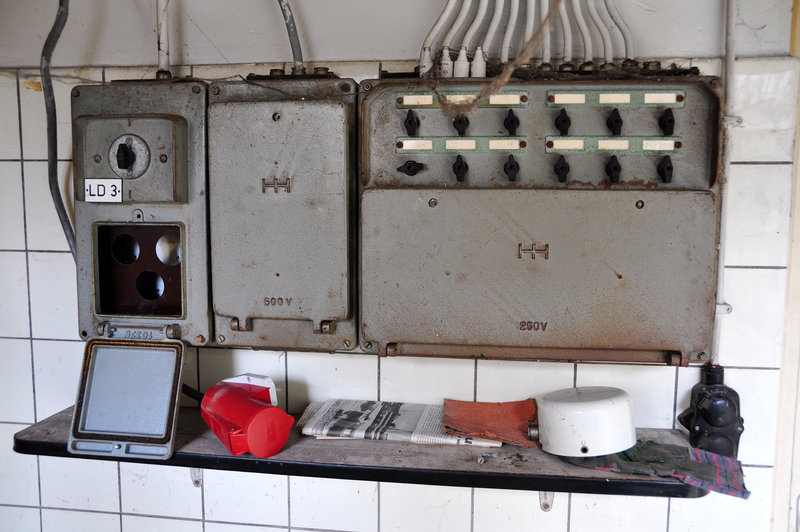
(178, 196)
(281, 173)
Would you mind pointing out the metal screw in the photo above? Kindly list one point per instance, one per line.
(523, 144)
(97, 158)
(163, 158)
(172, 331)
(433, 202)
(523, 98)
(220, 339)
(215, 90)
(550, 144)
(679, 145)
(367, 86)
(551, 98)
(75, 93)
(199, 339)
(399, 144)
(347, 342)
(679, 98)
(368, 345)
(715, 83)
(196, 89)
(276, 116)
(640, 204)
(344, 87)
(400, 100)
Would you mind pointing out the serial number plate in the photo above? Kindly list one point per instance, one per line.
(102, 190)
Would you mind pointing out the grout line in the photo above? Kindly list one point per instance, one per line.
(756, 163)
(472, 507)
(755, 267)
(379, 378)
(103, 75)
(669, 506)
(288, 503)
(34, 339)
(285, 379)
(569, 511)
(378, 490)
(26, 423)
(40, 250)
(203, 498)
(574, 374)
(759, 466)
(675, 399)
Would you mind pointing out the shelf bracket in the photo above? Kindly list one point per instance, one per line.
(197, 476)
(546, 500)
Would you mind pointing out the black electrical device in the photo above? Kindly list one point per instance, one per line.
(713, 417)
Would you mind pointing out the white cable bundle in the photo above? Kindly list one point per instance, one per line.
(446, 70)
(608, 52)
(509, 34)
(461, 68)
(566, 29)
(545, 11)
(425, 58)
(584, 29)
(627, 36)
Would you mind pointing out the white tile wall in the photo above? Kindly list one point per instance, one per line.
(424, 508)
(44, 228)
(72, 521)
(78, 484)
(19, 481)
(332, 503)
(648, 387)
(159, 490)
(252, 498)
(11, 219)
(757, 225)
(89, 493)
(518, 511)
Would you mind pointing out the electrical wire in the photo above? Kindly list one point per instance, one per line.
(544, 8)
(439, 24)
(497, 17)
(192, 393)
(627, 36)
(294, 39)
(483, 6)
(566, 29)
(460, 19)
(509, 34)
(52, 124)
(608, 52)
(588, 54)
(530, 19)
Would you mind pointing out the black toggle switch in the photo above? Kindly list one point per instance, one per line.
(511, 123)
(460, 168)
(125, 157)
(614, 123)
(563, 122)
(613, 169)
(664, 169)
(411, 123)
(511, 168)
(410, 167)
(667, 122)
(561, 168)
(460, 123)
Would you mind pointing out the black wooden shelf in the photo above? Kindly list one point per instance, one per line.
(444, 465)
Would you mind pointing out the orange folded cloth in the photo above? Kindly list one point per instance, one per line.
(505, 422)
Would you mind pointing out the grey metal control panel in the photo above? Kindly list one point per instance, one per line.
(557, 220)
(140, 210)
(282, 174)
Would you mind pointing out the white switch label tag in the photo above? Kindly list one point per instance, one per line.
(102, 190)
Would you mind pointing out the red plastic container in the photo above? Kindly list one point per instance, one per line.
(242, 413)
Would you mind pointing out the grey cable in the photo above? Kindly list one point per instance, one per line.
(294, 40)
(52, 125)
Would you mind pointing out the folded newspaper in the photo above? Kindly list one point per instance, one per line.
(381, 420)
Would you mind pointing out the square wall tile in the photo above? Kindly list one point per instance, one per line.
(12, 219)
(56, 370)
(19, 481)
(757, 223)
(427, 380)
(227, 527)
(159, 490)
(54, 296)
(78, 484)
(651, 389)
(323, 376)
(424, 508)
(722, 512)
(758, 391)
(765, 97)
(333, 504)
(254, 498)
(19, 518)
(134, 523)
(500, 380)
(34, 118)
(70, 521)
(617, 512)
(518, 511)
(9, 115)
(218, 364)
(14, 294)
(752, 334)
(16, 381)
(44, 227)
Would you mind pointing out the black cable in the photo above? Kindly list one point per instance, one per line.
(50, 108)
(294, 40)
(197, 395)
